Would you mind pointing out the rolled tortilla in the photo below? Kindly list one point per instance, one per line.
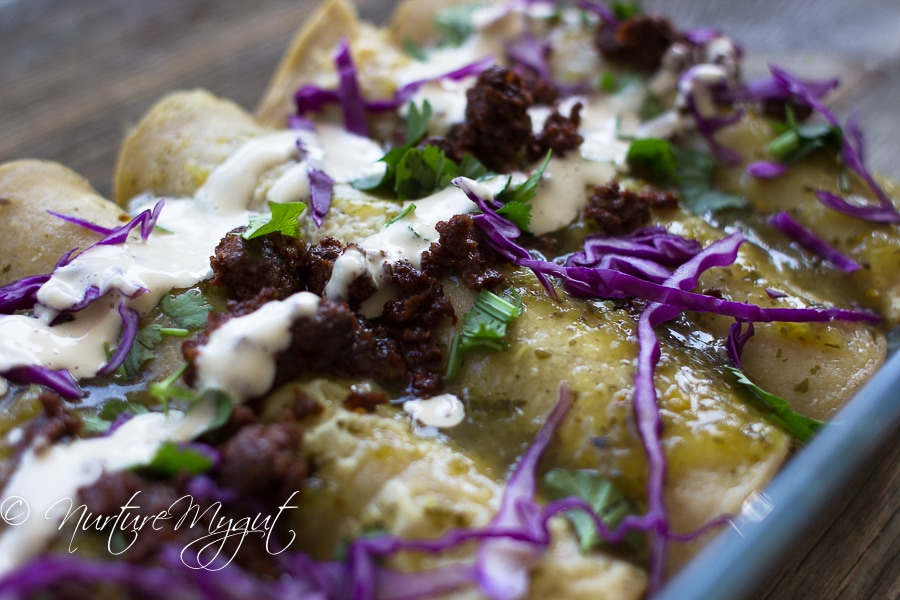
(179, 142)
(33, 241)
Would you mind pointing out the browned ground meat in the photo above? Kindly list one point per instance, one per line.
(261, 461)
(461, 249)
(543, 91)
(55, 423)
(246, 266)
(421, 307)
(640, 41)
(364, 401)
(560, 133)
(282, 263)
(498, 128)
(335, 341)
(617, 210)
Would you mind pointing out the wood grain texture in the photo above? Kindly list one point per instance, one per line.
(75, 75)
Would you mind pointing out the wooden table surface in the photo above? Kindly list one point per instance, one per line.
(74, 75)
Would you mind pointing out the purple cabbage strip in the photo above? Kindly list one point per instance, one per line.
(650, 243)
(503, 565)
(605, 283)
(530, 53)
(784, 86)
(146, 220)
(707, 128)
(321, 190)
(130, 325)
(21, 294)
(352, 106)
(311, 98)
(402, 95)
(60, 381)
(737, 339)
(786, 224)
(500, 231)
(874, 214)
(764, 169)
(720, 253)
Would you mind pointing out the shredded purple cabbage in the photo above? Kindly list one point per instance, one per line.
(765, 169)
(707, 126)
(351, 96)
(503, 564)
(649, 243)
(737, 339)
(146, 220)
(786, 224)
(501, 233)
(531, 53)
(21, 294)
(60, 381)
(785, 86)
(130, 325)
(312, 98)
(321, 190)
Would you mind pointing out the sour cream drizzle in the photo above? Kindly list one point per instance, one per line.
(240, 355)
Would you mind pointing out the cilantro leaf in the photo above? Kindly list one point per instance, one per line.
(454, 24)
(142, 349)
(797, 141)
(111, 411)
(285, 219)
(528, 189)
(651, 159)
(172, 459)
(693, 176)
(689, 170)
(625, 10)
(517, 212)
(778, 410)
(417, 122)
(421, 172)
(472, 168)
(166, 389)
(188, 310)
(608, 502)
(483, 328)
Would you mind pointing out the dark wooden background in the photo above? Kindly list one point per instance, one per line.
(75, 74)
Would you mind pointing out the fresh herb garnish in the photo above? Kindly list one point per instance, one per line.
(284, 219)
(516, 200)
(689, 170)
(608, 502)
(172, 459)
(413, 172)
(797, 141)
(778, 410)
(188, 310)
(454, 24)
(483, 328)
(408, 210)
(166, 389)
(421, 172)
(625, 10)
(112, 410)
